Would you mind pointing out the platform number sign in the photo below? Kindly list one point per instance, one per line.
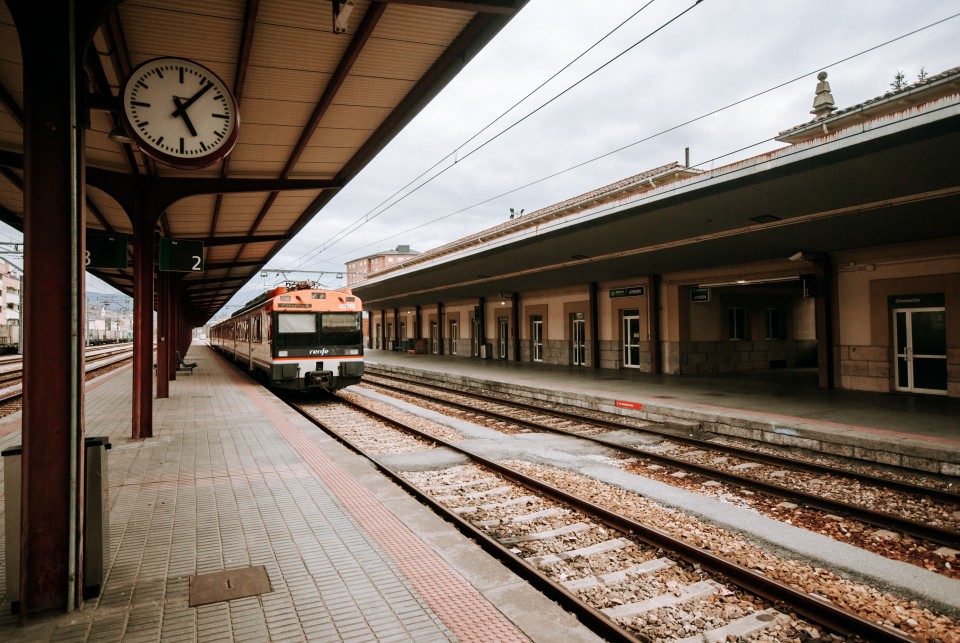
(105, 251)
(181, 255)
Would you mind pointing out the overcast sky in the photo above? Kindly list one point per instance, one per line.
(717, 53)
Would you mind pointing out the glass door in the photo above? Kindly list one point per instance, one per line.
(579, 332)
(537, 335)
(503, 336)
(453, 337)
(920, 337)
(434, 338)
(631, 339)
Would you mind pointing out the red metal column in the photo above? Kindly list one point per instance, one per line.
(142, 425)
(175, 318)
(164, 336)
(50, 529)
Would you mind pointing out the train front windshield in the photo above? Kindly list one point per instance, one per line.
(308, 330)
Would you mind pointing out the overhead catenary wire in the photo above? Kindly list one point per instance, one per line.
(629, 145)
(373, 212)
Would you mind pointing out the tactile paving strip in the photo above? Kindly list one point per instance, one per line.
(458, 604)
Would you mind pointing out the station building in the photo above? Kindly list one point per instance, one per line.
(839, 252)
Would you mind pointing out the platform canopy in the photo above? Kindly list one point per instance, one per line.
(316, 105)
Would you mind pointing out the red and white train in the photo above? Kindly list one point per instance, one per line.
(300, 339)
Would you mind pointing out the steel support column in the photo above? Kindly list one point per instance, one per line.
(594, 324)
(822, 299)
(653, 314)
(440, 321)
(515, 310)
(482, 322)
(142, 424)
(396, 328)
(175, 315)
(52, 466)
(165, 336)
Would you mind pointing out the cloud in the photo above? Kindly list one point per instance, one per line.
(716, 54)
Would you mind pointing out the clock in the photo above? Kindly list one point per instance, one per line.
(179, 112)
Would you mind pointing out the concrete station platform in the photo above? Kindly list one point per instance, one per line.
(233, 480)
(783, 407)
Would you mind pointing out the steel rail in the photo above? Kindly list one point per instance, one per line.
(10, 393)
(817, 610)
(940, 495)
(597, 620)
(880, 519)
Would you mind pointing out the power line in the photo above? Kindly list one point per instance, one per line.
(661, 133)
(366, 218)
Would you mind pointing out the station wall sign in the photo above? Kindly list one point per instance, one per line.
(106, 251)
(181, 255)
(922, 300)
(631, 291)
(699, 294)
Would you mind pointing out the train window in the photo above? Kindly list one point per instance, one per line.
(340, 321)
(295, 330)
(340, 329)
(296, 323)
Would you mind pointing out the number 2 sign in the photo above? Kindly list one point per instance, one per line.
(181, 255)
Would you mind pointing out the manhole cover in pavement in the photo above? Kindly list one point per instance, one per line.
(228, 585)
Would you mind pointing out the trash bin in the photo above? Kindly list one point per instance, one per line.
(96, 536)
(96, 524)
(11, 495)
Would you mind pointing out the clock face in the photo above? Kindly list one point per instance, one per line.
(179, 112)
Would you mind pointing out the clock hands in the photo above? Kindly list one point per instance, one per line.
(181, 109)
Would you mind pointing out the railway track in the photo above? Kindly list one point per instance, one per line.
(629, 580)
(923, 512)
(98, 361)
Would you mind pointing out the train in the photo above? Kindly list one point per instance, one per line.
(299, 338)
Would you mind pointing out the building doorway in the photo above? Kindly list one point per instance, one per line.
(920, 338)
(578, 332)
(537, 335)
(631, 339)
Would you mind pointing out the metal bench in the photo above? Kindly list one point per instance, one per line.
(185, 366)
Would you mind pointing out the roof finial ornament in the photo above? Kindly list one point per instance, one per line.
(823, 102)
